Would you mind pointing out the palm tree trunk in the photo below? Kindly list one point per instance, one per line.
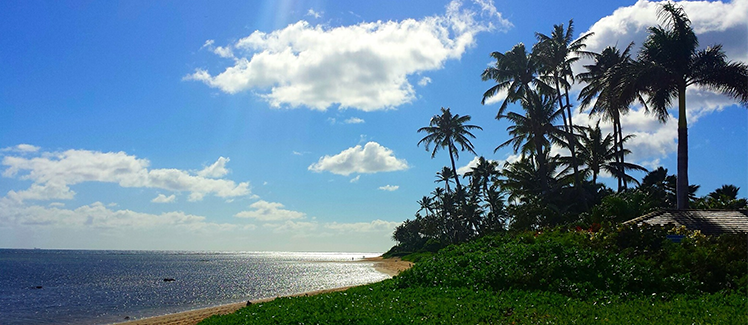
(454, 169)
(617, 148)
(682, 181)
(621, 154)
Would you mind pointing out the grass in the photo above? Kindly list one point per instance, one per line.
(383, 303)
(557, 277)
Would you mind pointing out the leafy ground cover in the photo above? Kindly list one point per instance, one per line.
(562, 276)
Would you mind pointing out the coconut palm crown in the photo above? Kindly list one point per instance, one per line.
(448, 131)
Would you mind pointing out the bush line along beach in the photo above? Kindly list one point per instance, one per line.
(539, 240)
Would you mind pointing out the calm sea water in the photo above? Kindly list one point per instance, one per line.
(100, 287)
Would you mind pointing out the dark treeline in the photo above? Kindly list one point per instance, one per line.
(544, 190)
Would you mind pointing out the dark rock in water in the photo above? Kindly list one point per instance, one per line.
(169, 279)
(127, 317)
(38, 287)
(249, 303)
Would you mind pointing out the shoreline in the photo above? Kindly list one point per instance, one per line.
(390, 266)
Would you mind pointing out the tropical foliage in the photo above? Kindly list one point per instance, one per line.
(556, 177)
(561, 276)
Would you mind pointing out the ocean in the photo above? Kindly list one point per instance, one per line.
(102, 287)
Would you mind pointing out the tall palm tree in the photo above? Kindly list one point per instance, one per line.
(670, 62)
(606, 82)
(514, 71)
(599, 153)
(447, 131)
(556, 54)
(533, 132)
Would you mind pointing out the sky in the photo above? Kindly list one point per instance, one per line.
(287, 125)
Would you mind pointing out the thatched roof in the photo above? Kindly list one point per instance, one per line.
(710, 222)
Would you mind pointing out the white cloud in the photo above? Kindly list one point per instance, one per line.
(474, 162)
(498, 98)
(53, 172)
(269, 211)
(424, 81)
(364, 66)
(332, 229)
(354, 120)
(389, 188)
(22, 148)
(713, 22)
(652, 139)
(371, 158)
(164, 199)
(355, 179)
(358, 227)
(313, 13)
(97, 216)
(216, 170)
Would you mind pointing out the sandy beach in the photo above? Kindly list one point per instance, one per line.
(390, 266)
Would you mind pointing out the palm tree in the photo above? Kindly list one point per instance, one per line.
(514, 71)
(482, 174)
(556, 53)
(445, 175)
(606, 82)
(426, 204)
(599, 153)
(448, 131)
(533, 132)
(669, 63)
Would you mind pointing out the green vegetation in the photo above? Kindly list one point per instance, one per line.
(561, 276)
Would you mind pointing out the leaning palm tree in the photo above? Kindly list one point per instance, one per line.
(599, 153)
(605, 80)
(514, 71)
(556, 54)
(447, 131)
(670, 62)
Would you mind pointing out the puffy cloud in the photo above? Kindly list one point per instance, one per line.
(22, 148)
(713, 22)
(371, 158)
(389, 188)
(424, 81)
(652, 138)
(354, 120)
(364, 66)
(164, 199)
(269, 211)
(355, 179)
(53, 172)
(216, 170)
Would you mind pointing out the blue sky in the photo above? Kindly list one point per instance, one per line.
(284, 125)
